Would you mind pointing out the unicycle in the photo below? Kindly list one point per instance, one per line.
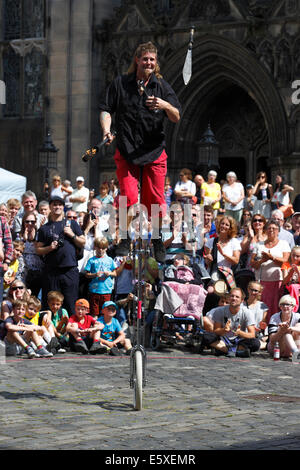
(138, 353)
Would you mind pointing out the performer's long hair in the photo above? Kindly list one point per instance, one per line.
(141, 49)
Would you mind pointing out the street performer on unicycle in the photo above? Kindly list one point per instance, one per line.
(140, 101)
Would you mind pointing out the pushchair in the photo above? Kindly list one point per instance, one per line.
(178, 315)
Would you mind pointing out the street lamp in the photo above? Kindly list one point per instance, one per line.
(47, 157)
(208, 151)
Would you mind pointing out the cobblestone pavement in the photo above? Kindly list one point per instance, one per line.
(191, 401)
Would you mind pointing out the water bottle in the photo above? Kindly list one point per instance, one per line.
(276, 352)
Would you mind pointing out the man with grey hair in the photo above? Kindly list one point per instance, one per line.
(283, 234)
(29, 203)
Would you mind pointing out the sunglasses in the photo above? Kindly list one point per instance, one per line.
(17, 288)
(257, 220)
(30, 222)
(287, 305)
(72, 217)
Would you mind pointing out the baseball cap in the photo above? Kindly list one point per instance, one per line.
(109, 303)
(80, 178)
(82, 303)
(249, 186)
(58, 199)
(295, 213)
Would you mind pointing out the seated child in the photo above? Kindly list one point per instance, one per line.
(19, 332)
(43, 319)
(84, 330)
(59, 317)
(112, 336)
(16, 265)
(100, 270)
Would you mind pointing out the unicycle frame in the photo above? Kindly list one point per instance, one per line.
(138, 310)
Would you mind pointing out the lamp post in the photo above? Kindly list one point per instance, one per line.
(208, 152)
(47, 158)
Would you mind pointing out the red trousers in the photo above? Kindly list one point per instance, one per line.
(153, 184)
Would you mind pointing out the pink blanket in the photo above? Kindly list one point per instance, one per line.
(193, 297)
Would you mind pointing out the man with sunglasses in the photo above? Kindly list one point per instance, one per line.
(57, 242)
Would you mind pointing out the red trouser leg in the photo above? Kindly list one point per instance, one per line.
(153, 184)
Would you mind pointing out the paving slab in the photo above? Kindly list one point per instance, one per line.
(191, 402)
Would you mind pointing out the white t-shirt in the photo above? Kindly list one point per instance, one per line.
(80, 206)
(283, 199)
(258, 310)
(234, 192)
(186, 186)
(270, 271)
(229, 248)
(276, 319)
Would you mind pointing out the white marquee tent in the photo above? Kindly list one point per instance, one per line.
(11, 185)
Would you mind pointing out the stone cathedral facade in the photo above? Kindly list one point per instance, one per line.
(58, 56)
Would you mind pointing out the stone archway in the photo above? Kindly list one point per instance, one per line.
(219, 64)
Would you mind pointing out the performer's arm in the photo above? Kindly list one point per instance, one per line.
(105, 123)
(158, 103)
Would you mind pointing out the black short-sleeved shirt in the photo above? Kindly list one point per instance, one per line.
(140, 135)
(65, 255)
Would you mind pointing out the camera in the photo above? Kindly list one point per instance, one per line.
(60, 242)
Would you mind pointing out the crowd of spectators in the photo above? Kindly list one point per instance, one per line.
(63, 287)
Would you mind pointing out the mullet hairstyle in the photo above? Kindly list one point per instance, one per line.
(141, 49)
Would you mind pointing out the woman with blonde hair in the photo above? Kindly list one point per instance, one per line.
(223, 252)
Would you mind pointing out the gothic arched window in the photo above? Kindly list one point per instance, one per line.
(23, 59)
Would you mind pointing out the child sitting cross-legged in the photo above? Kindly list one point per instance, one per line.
(20, 332)
(112, 336)
(84, 330)
(59, 317)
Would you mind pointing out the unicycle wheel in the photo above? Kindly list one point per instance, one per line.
(138, 381)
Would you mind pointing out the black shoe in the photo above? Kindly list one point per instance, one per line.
(159, 250)
(81, 347)
(123, 248)
(97, 348)
(115, 352)
(243, 353)
(53, 346)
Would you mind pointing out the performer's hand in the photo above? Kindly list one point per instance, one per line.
(154, 103)
(109, 136)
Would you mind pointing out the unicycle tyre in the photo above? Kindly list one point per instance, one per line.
(138, 380)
